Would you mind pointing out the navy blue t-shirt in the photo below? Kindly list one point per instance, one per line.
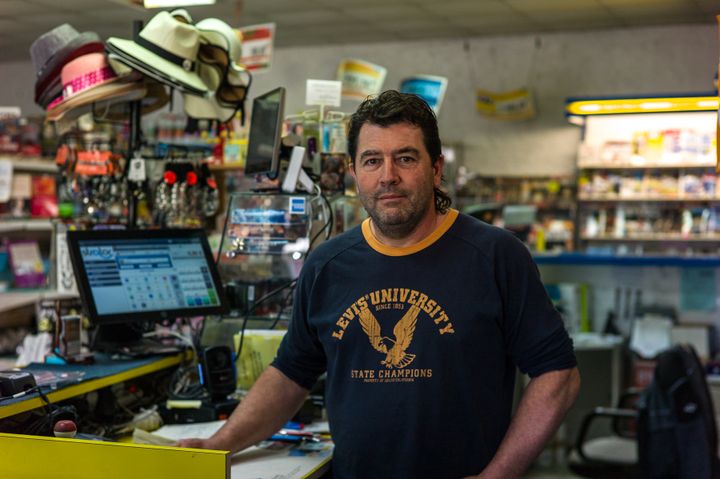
(420, 345)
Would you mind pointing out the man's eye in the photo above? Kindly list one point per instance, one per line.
(406, 160)
(371, 162)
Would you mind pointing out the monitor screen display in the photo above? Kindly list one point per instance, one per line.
(145, 275)
(263, 149)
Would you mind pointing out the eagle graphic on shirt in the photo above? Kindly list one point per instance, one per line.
(394, 349)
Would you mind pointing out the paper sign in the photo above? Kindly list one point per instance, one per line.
(323, 92)
(428, 87)
(360, 79)
(257, 46)
(511, 105)
(63, 266)
(6, 175)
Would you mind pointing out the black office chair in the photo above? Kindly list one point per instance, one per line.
(611, 456)
(676, 434)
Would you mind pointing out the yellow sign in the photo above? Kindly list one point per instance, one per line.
(511, 105)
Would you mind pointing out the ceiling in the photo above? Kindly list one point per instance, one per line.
(312, 22)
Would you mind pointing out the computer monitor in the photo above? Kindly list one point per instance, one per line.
(264, 141)
(127, 276)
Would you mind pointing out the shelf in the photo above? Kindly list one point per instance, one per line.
(31, 164)
(657, 166)
(20, 225)
(224, 167)
(670, 238)
(17, 299)
(640, 199)
(584, 259)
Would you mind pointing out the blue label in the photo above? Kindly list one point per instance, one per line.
(297, 205)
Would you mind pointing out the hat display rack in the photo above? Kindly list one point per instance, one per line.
(119, 81)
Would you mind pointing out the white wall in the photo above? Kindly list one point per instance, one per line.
(555, 66)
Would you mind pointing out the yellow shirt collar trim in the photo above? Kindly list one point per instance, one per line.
(406, 250)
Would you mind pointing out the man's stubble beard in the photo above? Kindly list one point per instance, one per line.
(401, 222)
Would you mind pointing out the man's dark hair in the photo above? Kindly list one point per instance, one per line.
(390, 108)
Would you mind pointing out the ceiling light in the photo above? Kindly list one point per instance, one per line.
(175, 3)
(656, 105)
(617, 106)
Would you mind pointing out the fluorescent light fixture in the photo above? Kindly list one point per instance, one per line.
(618, 106)
(175, 3)
(656, 105)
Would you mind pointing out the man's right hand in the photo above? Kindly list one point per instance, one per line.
(194, 442)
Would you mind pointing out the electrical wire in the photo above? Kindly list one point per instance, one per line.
(329, 220)
(254, 306)
(283, 305)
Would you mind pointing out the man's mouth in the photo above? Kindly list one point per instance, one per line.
(390, 196)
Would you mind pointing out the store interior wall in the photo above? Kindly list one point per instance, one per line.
(690, 292)
(631, 61)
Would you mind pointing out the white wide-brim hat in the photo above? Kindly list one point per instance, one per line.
(166, 46)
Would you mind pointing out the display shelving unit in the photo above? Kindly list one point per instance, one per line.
(646, 175)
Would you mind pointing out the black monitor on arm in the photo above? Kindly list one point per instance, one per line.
(129, 278)
(265, 138)
(265, 146)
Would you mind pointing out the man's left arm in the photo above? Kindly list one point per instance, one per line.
(543, 406)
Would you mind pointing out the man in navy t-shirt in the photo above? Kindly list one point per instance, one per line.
(420, 317)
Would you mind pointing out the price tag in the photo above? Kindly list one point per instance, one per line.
(6, 179)
(137, 170)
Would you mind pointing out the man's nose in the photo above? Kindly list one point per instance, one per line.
(389, 173)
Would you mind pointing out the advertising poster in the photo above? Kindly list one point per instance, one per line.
(428, 87)
(360, 79)
(511, 105)
(257, 46)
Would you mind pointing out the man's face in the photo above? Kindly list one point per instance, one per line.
(395, 177)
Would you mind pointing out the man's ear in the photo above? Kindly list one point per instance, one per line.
(351, 169)
(438, 170)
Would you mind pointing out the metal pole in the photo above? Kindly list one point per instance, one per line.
(133, 146)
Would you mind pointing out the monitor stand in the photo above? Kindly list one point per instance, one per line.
(128, 340)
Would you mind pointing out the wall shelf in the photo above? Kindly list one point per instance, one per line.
(656, 166)
(31, 164)
(584, 259)
(676, 238)
(15, 299)
(640, 199)
(21, 225)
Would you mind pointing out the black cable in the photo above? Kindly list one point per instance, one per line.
(283, 305)
(254, 307)
(329, 223)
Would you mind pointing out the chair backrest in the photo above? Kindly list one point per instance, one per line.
(677, 434)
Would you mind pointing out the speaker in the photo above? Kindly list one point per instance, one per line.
(217, 371)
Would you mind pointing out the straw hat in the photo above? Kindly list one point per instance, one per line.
(168, 47)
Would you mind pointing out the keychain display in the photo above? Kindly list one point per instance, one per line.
(92, 188)
(185, 196)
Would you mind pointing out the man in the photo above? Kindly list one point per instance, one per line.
(420, 318)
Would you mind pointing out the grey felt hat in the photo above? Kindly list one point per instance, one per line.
(51, 51)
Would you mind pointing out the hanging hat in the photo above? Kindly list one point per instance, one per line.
(220, 69)
(166, 46)
(151, 94)
(89, 79)
(51, 51)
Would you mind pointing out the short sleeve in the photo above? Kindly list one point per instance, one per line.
(301, 356)
(534, 332)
